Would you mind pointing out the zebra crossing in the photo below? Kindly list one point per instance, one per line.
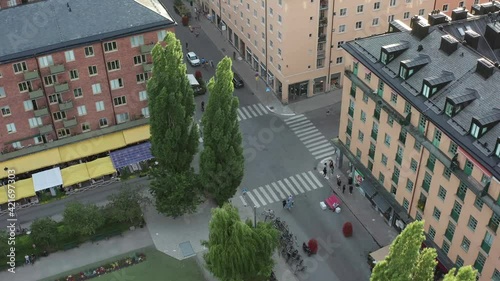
(310, 136)
(251, 111)
(281, 189)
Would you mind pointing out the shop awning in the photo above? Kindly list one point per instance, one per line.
(24, 188)
(368, 188)
(47, 179)
(137, 134)
(91, 146)
(75, 174)
(381, 203)
(380, 254)
(3, 195)
(100, 167)
(131, 155)
(31, 162)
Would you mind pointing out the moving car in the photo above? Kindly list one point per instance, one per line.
(237, 81)
(193, 59)
(197, 88)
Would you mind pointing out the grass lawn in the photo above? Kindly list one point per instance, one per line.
(157, 267)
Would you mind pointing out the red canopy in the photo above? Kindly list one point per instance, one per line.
(332, 200)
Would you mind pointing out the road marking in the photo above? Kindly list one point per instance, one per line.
(331, 149)
(253, 112)
(266, 195)
(246, 112)
(289, 122)
(278, 190)
(300, 132)
(241, 113)
(284, 189)
(317, 143)
(253, 199)
(239, 119)
(303, 182)
(302, 126)
(313, 140)
(243, 201)
(263, 108)
(321, 146)
(258, 110)
(315, 179)
(272, 193)
(264, 203)
(323, 156)
(298, 185)
(304, 175)
(293, 126)
(294, 117)
(306, 136)
(290, 186)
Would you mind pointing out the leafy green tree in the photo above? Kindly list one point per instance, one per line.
(4, 243)
(82, 220)
(465, 273)
(174, 134)
(221, 161)
(125, 206)
(236, 250)
(44, 233)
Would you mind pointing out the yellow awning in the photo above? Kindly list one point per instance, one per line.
(3, 195)
(137, 134)
(31, 162)
(24, 188)
(100, 167)
(75, 174)
(92, 146)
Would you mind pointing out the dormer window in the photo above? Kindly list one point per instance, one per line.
(481, 126)
(408, 67)
(433, 84)
(497, 150)
(455, 103)
(389, 52)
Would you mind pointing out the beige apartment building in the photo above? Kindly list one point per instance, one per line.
(420, 125)
(295, 45)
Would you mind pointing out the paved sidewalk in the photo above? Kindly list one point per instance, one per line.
(362, 209)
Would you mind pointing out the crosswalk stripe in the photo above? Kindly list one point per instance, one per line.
(272, 193)
(239, 119)
(300, 123)
(315, 179)
(305, 125)
(255, 203)
(278, 190)
(323, 151)
(298, 185)
(310, 136)
(243, 201)
(316, 143)
(266, 195)
(251, 110)
(323, 156)
(263, 108)
(258, 110)
(289, 184)
(321, 146)
(303, 182)
(264, 203)
(294, 117)
(309, 181)
(241, 114)
(302, 135)
(289, 122)
(246, 112)
(302, 131)
(285, 190)
(313, 140)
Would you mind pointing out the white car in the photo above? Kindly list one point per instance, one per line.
(193, 59)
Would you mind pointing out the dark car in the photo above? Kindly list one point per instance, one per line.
(237, 82)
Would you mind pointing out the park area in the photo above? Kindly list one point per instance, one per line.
(156, 266)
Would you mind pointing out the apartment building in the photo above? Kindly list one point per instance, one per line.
(447, 6)
(70, 73)
(12, 3)
(420, 124)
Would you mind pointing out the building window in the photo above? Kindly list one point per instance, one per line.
(55, 98)
(450, 231)
(139, 59)
(421, 12)
(45, 61)
(365, 97)
(363, 116)
(19, 67)
(436, 214)
(375, 22)
(103, 122)
(432, 232)
(136, 41)
(141, 77)
(271, 11)
(496, 273)
(110, 46)
(442, 193)
(28, 105)
(407, 107)
(406, 204)
(480, 261)
(279, 36)
(462, 191)
(5, 111)
(478, 203)
(359, 25)
(99, 106)
(418, 216)
(61, 133)
(93, 70)
(453, 148)
(394, 98)
(494, 221)
(339, 44)
(122, 117)
(59, 115)
(340, 60)
(161, 35)
(116, 84)
(359, 9)
(413, 165)
(343, 12)
(77, 93)
(145, 112)
(82, 110)
(119, 101)
(73, 74)
(341, 28)
(113, 65)
(11, 128)
(387, 140)
(445, 247)
(381, 178)
(49, 80)
(465, 244)
(445, 7)
(406, 15)
(459, 262)
(431, 162)
(2, 92)
(447, 173)
(69, 55)
(85, 127)
(384, 160)
(376, 6)
(455, 212)
(89, 51)
(38, 140)
(409, 185)
(472, 224)
(271, 28)
(395, 175)
(426, 184)
(469, 166)
(143, 95)
(279, 19)
(279, 52)
(437, 138)
(96, 89)
(390, 18)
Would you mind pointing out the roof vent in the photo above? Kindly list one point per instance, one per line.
(492, 35)
(419, 28)
(420, 48)
(436, 18)
(459, 14)
(472, 38)
(485, 68)
(448, 44)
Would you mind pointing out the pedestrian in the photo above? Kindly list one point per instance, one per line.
(27, 259)
(324, 171)
(202, 106)
(350, 189)
(234, 55)
(245, 191)
(331, 166)
(32, 259)
(212, 63)
(343, 189)
(187, 48)
(339, 183)
(284, 203)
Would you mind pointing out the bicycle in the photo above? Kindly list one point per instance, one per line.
(268, 214)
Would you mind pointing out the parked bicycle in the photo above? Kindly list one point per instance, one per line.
(268, 214)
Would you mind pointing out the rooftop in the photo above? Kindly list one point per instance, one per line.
(454, 72)
(45, 26)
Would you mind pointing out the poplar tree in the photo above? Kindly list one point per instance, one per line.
(236, 250)
(174, 136)
(221, 161)
(465, 273)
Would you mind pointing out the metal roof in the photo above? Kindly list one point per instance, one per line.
(418, 61)
(392, 48)
(489, 118)
(445, 77)
(463, 97)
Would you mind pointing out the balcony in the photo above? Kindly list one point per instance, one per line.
(147, 67)
(66, 106)
(323, 5)
(323, 22)
(46, 129)
(322, 38)
(61, 87)
(36, 94)
(56, 69)
(41, 112)
(70, 123)
(31, 75)
(146, 49)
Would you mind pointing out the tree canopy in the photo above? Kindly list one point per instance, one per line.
(82, 220)
(44, 232)
(125, 206)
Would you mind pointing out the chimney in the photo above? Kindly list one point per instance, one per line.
(484, 9)
(419, 28)
(472, 38)
(459, 14)
(492, 35)
(485, 68)
(436, 18)
(448, 44)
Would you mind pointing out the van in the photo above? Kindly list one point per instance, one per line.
(197, 88)
(378, 255)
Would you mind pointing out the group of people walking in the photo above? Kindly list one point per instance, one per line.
(288, 203)
(331, 167)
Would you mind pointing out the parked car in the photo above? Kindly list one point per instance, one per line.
(193, 59)
(237, 81)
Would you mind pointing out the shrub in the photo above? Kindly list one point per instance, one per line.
(198, 75)
(44, 233)
(82, 220)
(347, 229)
